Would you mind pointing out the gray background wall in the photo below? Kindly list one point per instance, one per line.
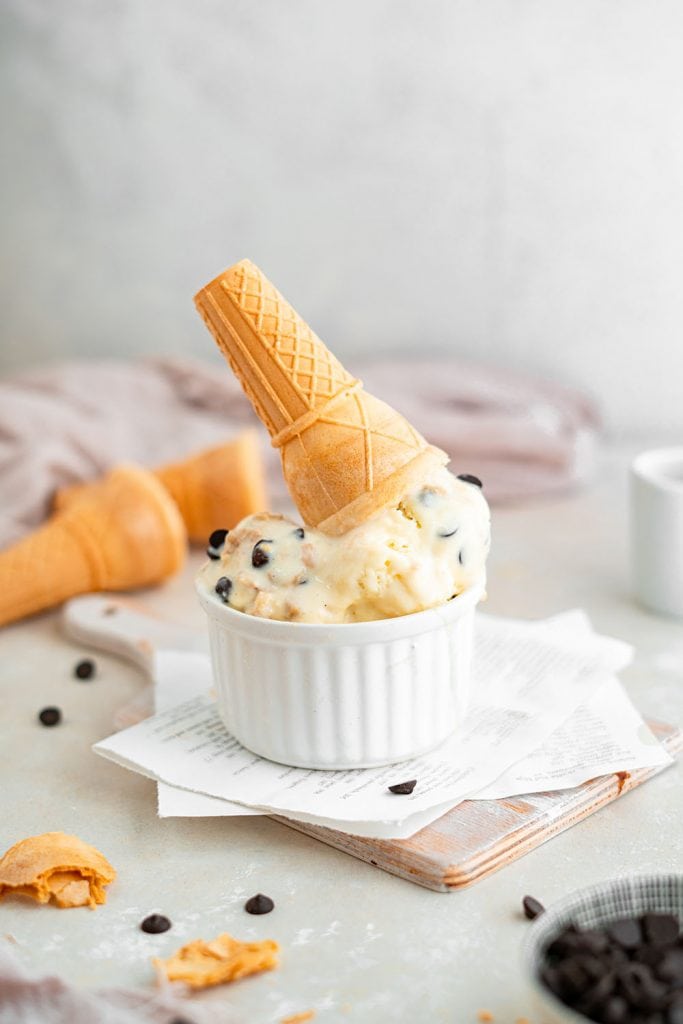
(497, 178)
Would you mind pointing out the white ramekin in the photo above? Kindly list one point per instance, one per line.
(345, 695)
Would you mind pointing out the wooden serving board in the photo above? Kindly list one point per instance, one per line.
(479, 837)
(465, 845)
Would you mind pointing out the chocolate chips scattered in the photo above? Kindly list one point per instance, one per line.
(259, 904)
(216, 542)
(85, 669)
(403, 787)
(532, 907)
(299, 532)
(629, 972)
(260, 557)
(155, 924)
(469, 479)
(223, 587)
(50, 716)
(451, 534)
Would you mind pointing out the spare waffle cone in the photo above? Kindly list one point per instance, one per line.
(345, 454)
(219, 486)
(122, 532)
(215, 488)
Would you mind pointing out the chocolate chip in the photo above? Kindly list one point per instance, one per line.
(626, 931)
(460, 558)
(593, 941)
(403, 787)
(659, 929)
(155, 924)
(594, 1000)
(50, 716)
(223, 587)
(469, 479)
(640, 988)
(217, 538)
(650, 955)
(260, 557)
(259, 904)
(616, 1011)
(299, 532)
(532, 907)
(85, 669)
(451, 534)
(670, 967)
(216, 542)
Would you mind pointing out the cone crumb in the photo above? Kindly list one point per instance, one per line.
(58, 867)
(299, 1018)
(522, 1020)
(485, 1016)
(201, 964)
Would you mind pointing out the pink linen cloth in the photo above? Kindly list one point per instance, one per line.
(50, 1000)
(71, 422)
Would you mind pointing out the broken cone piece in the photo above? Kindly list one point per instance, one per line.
(58, 867)
(213, 488)
(345, 454)
(200, 964)
(122, 532)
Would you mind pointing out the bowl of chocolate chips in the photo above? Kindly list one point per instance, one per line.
(612, 953)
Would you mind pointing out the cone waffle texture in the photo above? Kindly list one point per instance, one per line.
(345, 454)
(122, 532)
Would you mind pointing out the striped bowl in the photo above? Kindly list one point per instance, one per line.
(594, 907)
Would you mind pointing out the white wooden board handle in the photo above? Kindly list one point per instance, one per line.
(119, 626)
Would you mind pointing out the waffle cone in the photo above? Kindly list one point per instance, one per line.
(345, 454)
(120, 533)
(219, 486)
(214, 488)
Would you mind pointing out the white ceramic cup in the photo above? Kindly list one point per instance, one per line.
(657, 529)
(344, 695)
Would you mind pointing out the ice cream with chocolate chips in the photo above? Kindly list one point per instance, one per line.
(387, 529)
(418, 554)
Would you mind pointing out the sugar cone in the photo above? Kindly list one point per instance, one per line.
(214, 488)
(120, 533)
(345, 454)
(219, 486)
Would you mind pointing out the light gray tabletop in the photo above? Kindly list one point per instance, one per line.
(357, 945)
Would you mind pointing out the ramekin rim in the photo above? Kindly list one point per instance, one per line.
(400, 624)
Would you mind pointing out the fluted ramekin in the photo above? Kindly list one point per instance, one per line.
(350, 695)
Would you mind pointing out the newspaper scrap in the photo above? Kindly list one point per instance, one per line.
(528, 681)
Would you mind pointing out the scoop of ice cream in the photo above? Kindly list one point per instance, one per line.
(429, 548)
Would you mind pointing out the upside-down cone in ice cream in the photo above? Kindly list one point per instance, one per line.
(215, 488)
(122, 532)
(344, 453)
